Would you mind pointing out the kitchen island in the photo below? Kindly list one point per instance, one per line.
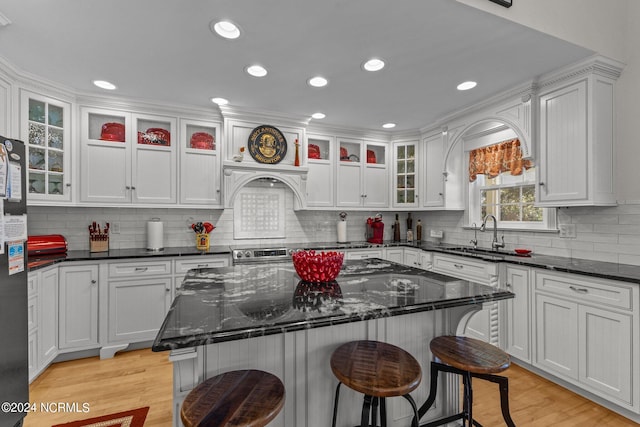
(265, 317)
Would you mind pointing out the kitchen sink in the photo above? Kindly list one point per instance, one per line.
(471, 250)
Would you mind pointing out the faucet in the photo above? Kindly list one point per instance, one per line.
(474, 241)
(494, 244)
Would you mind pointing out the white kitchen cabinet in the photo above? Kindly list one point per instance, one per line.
(517, 338)
(137, 308)
(484, 324)
(443, 172)
(200, 171)
(362, 175)
(185, 264)
(5, 106)
(363, 253)
(585, 334)
(321, 176)
(405, 174)
(78, 307)
(45, 127)
(48, 319)
(577, 139)
(141, 166)
(32, 329)
(394, 254)
(417, 258)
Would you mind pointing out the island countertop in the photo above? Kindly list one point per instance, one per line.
(231, 303)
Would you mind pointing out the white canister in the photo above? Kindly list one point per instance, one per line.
(155, 235)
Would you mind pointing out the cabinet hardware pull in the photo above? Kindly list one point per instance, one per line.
(68, 184)
(541, 184)
(579, 290)
(142, 268)
(167, 290)
(508, 285)
(203, 265)
(440, 194)
(133, 188)
(458, 266)
(93, 282)
(127, 187)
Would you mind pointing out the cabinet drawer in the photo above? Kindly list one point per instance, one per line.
(586, 289)
(184, 265)
(476, 271)
(137, 269)
(363, 254)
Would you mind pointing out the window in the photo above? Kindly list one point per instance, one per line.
(510, 199)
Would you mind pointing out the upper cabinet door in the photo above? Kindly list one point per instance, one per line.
(321, 162)
(405, 188)
(46, 131)
(375, 178)
(433, 188)
(363, 175)
(200, 163)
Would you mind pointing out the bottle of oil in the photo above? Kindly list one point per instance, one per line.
(419, 231)
(396, 230)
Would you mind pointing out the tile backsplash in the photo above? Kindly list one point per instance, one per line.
(602, 233)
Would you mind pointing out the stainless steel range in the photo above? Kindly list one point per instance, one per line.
(261, 255)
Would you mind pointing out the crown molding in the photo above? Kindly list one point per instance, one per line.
(261, 116)
(596, 64)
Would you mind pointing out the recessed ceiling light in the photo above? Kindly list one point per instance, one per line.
(466, 85)
(389, 125)
(374, 64)
(318, 116)
(317, 81)
(102, 84)
(219, 101)
(257, 71)
(226, 29)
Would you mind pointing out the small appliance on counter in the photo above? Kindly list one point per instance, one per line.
(155, 235)
(375, 229)
(98, 237)
(46, 244)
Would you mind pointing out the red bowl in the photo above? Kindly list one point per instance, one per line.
(202, 141)
(317, 267)
(522, 251)
(114, 130)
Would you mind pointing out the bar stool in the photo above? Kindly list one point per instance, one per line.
(470, 358)
(247, 398)
(378, 370)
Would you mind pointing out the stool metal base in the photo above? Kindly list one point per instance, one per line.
(370, 410)
(467, 407)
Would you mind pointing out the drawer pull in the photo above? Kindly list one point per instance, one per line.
(203, 265)
(579, 290)
(142, 268)
(459, 266)
(93, 282)
(508, 285)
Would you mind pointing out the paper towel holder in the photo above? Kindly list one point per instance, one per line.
(155, 235)
(342, 228)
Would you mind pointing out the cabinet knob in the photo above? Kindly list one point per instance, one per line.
(167, 290)
(68, 184)
(93, 282)
(541, 184)
(133, 188)
(508, 285)
(440, 194)
(127, 187)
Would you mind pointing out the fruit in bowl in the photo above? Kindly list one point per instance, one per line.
(316, 267)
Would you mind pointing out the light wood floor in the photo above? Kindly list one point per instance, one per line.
(143, 378)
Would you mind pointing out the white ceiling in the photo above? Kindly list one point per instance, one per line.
(163, 50)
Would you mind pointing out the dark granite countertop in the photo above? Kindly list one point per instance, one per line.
(231, 303)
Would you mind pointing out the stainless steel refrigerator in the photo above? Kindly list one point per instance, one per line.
(14, 370)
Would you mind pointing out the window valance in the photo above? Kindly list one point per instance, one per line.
(495, 159)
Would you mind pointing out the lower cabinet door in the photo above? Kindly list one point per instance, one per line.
(557, 335)
(518, 313)
(137, 308)
(605, 361)
(78, 303)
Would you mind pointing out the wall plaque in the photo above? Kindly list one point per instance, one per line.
(267, 145)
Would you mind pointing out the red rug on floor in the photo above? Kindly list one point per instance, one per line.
(133, 418)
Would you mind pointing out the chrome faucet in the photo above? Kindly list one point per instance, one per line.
(494, 244)
(474, 241)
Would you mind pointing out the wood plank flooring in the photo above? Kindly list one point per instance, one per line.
(143, 378)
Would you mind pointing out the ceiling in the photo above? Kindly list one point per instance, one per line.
(164, 50)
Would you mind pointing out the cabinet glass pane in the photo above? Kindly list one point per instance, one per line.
(401, 150)
(400, 181)
(37, 158)
(376, 154)
(201, 137)
(400, 197)
(56, 137)
(55, 161)
(401, 168)
(106, 127)
(154, 132)
(318, 149)
(55, 184)
(410, 166)
(410, 196)
(36, 134)
(36, 111)
(56, 116)
(349, 152)
(410, 181)
(411, 152)
(36, 183)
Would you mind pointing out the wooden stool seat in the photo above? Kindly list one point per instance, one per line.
(377, 370)
(248, 398)
(469, 358)
(468, 354)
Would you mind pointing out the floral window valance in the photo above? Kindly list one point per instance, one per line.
(495, 159)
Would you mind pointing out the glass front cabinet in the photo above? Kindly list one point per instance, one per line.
(46, 132)
(200, 163)
(405, 179)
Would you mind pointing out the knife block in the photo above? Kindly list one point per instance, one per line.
(99, 245)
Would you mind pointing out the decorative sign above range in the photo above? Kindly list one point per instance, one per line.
(267, 145)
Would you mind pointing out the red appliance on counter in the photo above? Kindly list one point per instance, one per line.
(46, 244)
(375, 229)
